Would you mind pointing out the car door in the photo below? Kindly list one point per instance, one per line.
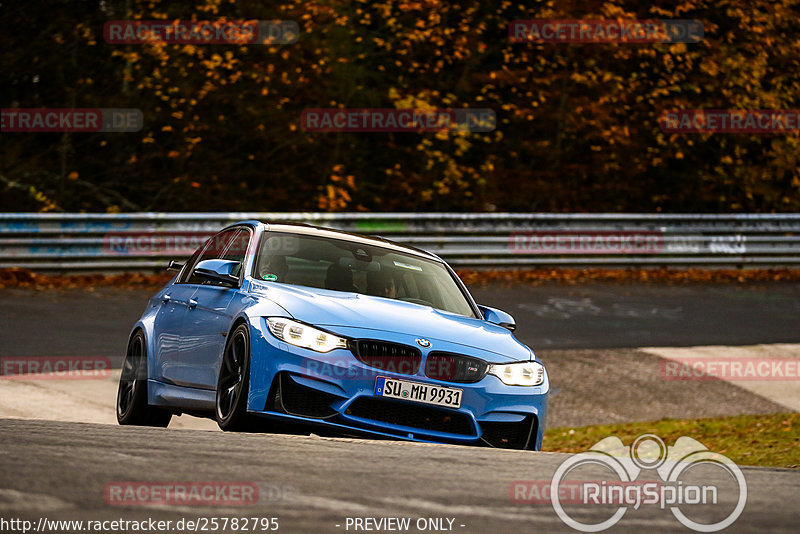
(168, 324)
(208, 319)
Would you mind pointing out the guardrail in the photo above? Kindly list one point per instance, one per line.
(146, 241)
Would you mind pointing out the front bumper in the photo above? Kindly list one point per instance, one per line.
(336, 390)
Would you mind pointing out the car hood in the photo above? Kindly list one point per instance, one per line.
(331, 309)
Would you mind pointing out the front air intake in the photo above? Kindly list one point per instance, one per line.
(454, 367)
(411, 415)
(387, 356)
(502, 435)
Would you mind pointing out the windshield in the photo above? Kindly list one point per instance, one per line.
(341, 265)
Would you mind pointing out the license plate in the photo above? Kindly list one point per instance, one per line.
(418, 392)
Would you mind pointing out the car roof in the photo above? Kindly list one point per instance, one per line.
(321, 231)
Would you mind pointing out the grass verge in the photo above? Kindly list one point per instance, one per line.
(771, 440)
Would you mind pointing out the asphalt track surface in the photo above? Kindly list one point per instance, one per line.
(593, 316)
(60, 471)
(589, 337)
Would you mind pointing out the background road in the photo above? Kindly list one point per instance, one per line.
(97, 323)
(649, 315)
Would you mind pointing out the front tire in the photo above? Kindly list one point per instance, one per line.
(132, 407)
(233, 384)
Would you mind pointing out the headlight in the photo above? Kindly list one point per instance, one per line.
(518, 374)
(302, 335)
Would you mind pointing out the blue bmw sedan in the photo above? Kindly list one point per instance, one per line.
(290, 327)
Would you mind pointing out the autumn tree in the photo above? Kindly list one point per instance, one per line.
(577, 124)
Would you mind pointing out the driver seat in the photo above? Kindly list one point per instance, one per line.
(339, 278)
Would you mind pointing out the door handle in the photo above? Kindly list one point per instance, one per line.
(165, 299)
(192, 303)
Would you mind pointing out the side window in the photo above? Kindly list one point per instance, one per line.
(237, 250)
(189, 265)
(214, 248)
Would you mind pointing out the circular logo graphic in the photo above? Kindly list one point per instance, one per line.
(424, 343)
(649, 452)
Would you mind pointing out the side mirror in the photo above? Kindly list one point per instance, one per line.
(498, 317)
(174, 266)
(220, 271)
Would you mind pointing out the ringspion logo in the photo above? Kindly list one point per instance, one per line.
(677, 468)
